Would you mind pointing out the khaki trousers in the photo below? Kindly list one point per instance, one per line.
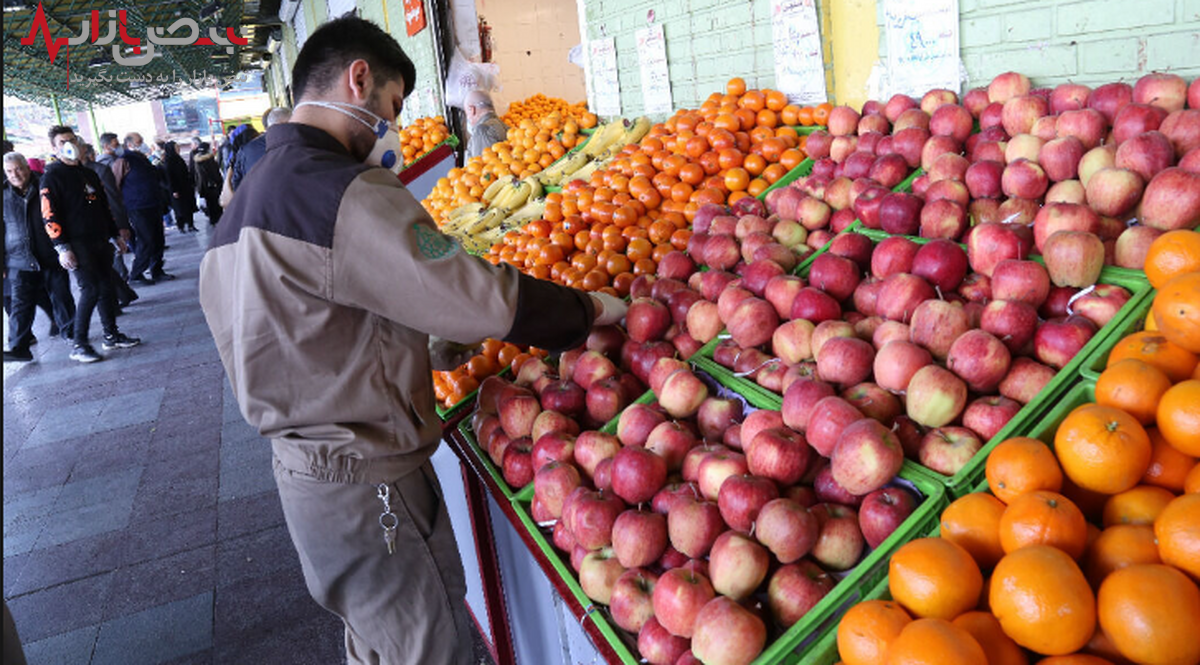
(400, 608)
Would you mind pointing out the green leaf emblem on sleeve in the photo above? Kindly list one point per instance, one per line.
(433, 245)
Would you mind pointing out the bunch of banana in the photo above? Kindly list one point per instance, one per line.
(495, 186)
(514, 204)
(586, 172)
(604, 137)
(636, 132)
(563, 169)
(516, 193)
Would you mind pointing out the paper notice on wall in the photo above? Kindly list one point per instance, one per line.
(922, 45)
(606, 86)
(799, 64)
(656, 77)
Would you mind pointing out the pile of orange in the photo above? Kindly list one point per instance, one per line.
(602, 233)
(539, 106)
(495, 356)
(423, 135)
(1087, 552)
(530, 147)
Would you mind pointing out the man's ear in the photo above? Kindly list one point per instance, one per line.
(359, 80)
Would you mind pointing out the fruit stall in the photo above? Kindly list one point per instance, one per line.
(915, 382)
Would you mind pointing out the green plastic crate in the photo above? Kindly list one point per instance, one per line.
(802, 169)
(805, 131)
(468, 433)
(906, 184)
(1045, 427)
(1131, 322)
(798, 644)
(447, 414)
(825, 652)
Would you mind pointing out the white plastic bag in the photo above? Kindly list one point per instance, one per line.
(465, 76)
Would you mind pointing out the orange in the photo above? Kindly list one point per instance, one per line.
(1074, 659)
(1150, 612)
(1134, 386)
(1191, 484)
(1103, 449)
(1168, 467)
(1177, 530)
(1117, 547)
(985, 628)
(1043, 600)
(935, 642)
(934, 577)
(1150, 323)
(868, 629)
(1177, 311)
(736, 86)
(1021, 465)
(973, 522)
(1152, 347)
(1179, 417)
(1140, 505)
(1043, 518)
(1171, 254)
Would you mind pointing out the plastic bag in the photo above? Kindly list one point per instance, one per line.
(465, 76)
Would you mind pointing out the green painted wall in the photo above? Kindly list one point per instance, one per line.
(1084, 41)
(708, 42)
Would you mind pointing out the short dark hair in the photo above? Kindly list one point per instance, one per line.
(59, 129)
(336, 44)
(107, 138)
(8, 146)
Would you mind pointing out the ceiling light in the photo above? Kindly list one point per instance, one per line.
(211, 9)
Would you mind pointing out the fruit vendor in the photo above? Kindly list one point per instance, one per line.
(485, 128)
(322, 287)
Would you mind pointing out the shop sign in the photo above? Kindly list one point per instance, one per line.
(414, 16)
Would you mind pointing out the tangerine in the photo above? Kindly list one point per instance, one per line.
(1103, 449)
(973, 522)
(1043, 601)
(1021, 465)
(934, 577)
(1152, 347)
(935, 642)
(1191, 484)
(736, 86)
(1178, 417)
(868, 629)
(1043, 518)
(1117, 547)
(1177, 530)
(1172, 254)
(1150, 612)
(985, 628)
(1140, 505)
(1075, 659)
(1177, 311)
(1134, 386)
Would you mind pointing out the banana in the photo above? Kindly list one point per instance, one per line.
(455, 226)
(604, 137)
(574, 163)
(535, 187)
(518, 195)
(587, 171)
(500, 200)
(464, 210)
(532, 210)
(490, 220)
(494, 188)
(641, 127)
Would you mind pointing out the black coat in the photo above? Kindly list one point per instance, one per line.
(179, 180)
(26, 245)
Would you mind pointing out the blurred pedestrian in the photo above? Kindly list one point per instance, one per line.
(203, 165)
(181, 187)
(144, 202)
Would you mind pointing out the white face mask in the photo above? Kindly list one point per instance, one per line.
(68, 151)
(386, 152)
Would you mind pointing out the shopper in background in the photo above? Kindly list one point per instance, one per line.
(249, 154)
(202, 163)
(30, 263)
(238, 139)
(485, 128)
(323, 287)
(79, 223)
(144, 202)
(181, 186)
(120, 274)
(37, 166)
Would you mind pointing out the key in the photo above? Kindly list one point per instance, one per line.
(389, 537)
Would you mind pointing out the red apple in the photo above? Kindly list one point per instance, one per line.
(1101, 304)
(1073, 258)
(786, 528)
(639, 537)
(1012, 321)
(942, 263)
(636, 423)
(1069, 97)
(948, 449)
(828, 418)
(980, 359)
(986, 416)
(1146, 154)
(1133, 244)
(672, 442)
(943, 218)
(631, 601)
(935, 396)
(728, 634)
(845, 360)
(889, 331)
(1066, 191)
(714, 470)
(989, 244)
(638, 474)
(814, 305)
(716, 415)
(1008, 85)
(1135, 119)
(598, 574)
(593, 447)
(1101, 157)
(1021, 112)
(692, 526)
(1023, 146)
(840, 543)
(1114, 191)
(592, 515)
(682, 393)
(741, 497)
(737, 565)
(1025, 179)
(1025, 380)
(606, 399)
(1172, 200)
(867, 456)
(1060, 158)
(658, 646)
(937, 98)
(1167, 91)
(799, 400)
(553, 447)
(792, 341)
(1058, 340)
(1110, 98)
(936, 324)
(882, 512)
(901, 294)
(1183, 130)
(678, 597)
(795, 589)
(895, 365)
(779, 454)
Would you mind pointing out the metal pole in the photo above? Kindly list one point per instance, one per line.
(95, 125)
(57, 111)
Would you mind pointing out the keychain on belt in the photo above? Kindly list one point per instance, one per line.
(388, 519)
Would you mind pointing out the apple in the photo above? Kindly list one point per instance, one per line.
(827, 419)
(779, 454)
(914, 117)
(1086, 125)
(980, 359)
(882, 512)
(1135, 119)
(639, 538)
(636, 423)
(895, 365)
(1019, 113)
(845, 360)
(564, 397)
(867, 456)
(1058, 302)
(781, 292)
(951, 120)
(900, 296)
(1073, 258)
(1025, 380)
(553, 447)
(517, 415)
(900, 213)
(598, 574)
(733, 437)
(1110, 98)
(986, 416)
(795, 589)
(814, 305)
(909, 143)
(682, 393)
(936, 98)
(552, 483)
(1114, 191)
(897, 104)
(517, 463)
(936, 324)
(1101, 304)
(889, 169)
(1022, 281)
(799, 400)
(983, 178)
(1058, 340)
(593, 366)
(838, 276)
(647, 320)
(843, 121)
(840, 543)
(787, 529)
(1013, 322)
(1182, 128)
(638, 474)
(935, 396)
(715, 469)
(1060, 158)
(1172, 200)
(1167, 91)
(792, 341)
(948, 449)
(592, 517)
(1006, 86)
(672, 442)
(728, 634)
(937, 146)
(1097, 158)
(1019, 212)
(1054, 217)
(605, 400)
(676, 493)
(993, 151)
(678, 597)
(658, 646)
(750, 362)
(943, 218)
(1133, 244)
(741, 497)
(1069, 97)
(737, 565)
(1023, 146)
(716, 415)
(989, 244)
(693, 526)
(593, 447)
(1024, 179)
(942, 263)
(889, 331)
(631, 601)
(1191, 161)
(1146, 154)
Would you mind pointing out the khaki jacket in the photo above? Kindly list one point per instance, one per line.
(323, 283)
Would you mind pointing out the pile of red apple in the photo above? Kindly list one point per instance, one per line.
(1118, 163)
(904, 333)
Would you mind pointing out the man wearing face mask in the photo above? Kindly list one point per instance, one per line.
(77, 218)
(144, 201)
(323, 287)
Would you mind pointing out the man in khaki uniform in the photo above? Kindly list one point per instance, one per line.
(322, 287)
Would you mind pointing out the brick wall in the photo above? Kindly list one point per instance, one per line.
(1089, 41)
(708, 42)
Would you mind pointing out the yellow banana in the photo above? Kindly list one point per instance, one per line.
(494, 188)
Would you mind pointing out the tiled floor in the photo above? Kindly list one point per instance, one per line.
(141, 522)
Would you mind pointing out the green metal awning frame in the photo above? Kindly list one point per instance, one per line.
(86, 74)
